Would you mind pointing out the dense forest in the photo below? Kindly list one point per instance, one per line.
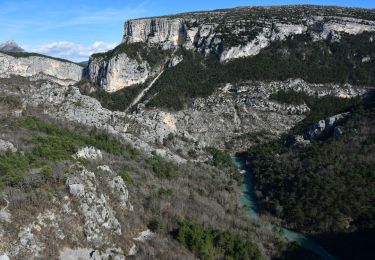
(297, 57)
(327, 187)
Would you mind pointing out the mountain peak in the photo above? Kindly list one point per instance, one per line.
(10, 46)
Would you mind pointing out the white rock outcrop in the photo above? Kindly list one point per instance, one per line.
(4, 213)
(6, 146)
(99, 218)
(195, 30)
(165, 31)
(4, 257)
(117, 72)
(89, 153)
(40, 67)
(318, 128)
(120, 192)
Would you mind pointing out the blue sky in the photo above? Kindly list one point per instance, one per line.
(75, 28)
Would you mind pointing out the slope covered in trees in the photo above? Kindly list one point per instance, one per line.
(328, 186)
(297, 57)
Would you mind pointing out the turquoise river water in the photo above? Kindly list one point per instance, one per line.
(248, 200)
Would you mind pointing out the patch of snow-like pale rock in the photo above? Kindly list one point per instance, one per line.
(6, 146)
(175, 61)
(366, 59)
(105, 168)
(282, 31)
(89, 153)
(36, 67)
(251, 49)
(144, 236)
(4, 257)
(4, 213)
(133, 250)
(263, 40)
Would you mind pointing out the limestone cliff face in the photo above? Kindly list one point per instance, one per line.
(118, 72)
(165, 31)
(238, 32)
(169, 32)
(227, 34)
(40, 67)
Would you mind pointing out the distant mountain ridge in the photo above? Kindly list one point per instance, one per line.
(10, 46)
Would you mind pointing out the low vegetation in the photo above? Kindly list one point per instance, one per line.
(52, 144)
(13, 102)
(162, 168)
(290, 97)
(207, 243)
(223, 160)
(137, 51)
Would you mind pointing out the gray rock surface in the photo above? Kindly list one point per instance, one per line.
(99, 218)
(40, 67)
(118, 72)
(204, 31)
(317, 129)
(225, 119)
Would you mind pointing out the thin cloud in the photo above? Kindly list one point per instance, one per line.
(73, 51)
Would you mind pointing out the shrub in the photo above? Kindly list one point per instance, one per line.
(12, 101)
(210, 244)
(163, 169)
(126, 177)
(12, 168)
(290, 97)
(165, 192)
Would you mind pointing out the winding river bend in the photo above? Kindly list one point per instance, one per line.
(248, 200)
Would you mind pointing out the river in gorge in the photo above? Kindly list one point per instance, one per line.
(248, 200)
